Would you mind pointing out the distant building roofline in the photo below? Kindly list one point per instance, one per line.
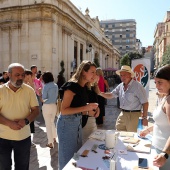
(114, 20)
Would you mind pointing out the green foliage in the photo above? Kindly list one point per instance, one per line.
(96, 61)
(128, 57)
(165, 57)
(125, 60)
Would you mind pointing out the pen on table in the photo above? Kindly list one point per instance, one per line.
(113, 155)
(135, 144)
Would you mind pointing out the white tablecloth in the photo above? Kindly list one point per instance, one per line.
(124, 162)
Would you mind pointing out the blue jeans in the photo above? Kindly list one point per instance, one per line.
(21, 151)
(69, 131)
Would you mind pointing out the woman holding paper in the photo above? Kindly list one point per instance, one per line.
(161, 115)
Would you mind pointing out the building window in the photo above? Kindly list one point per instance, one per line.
(127, 46)
(120, 35)
(81, 53)
(127, 35)
(75, 55)
(103, 25)
(127, 41)
(109, 26)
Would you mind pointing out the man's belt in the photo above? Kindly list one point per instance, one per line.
(131, 110)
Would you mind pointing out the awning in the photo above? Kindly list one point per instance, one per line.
(110, 69)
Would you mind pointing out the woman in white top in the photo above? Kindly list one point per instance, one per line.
(161, 115)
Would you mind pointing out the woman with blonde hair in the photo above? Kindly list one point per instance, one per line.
(74, 103)
(101, 100)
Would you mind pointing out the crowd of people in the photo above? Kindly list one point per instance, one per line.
(82, 110)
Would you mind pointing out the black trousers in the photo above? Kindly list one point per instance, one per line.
(101, 102)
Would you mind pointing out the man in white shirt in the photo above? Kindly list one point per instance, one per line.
(133, 101)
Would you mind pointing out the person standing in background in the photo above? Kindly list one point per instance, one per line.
(18, 107)
(101, 100)
(38, 90)
(89, 122)
(60, 80)
(28, 80)
(133, 98)
(74, 103)
(4, 77)
(161, 115)
(49, 108)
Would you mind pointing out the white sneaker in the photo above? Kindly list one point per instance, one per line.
(36, 125)
(36, 121)
(33, 145)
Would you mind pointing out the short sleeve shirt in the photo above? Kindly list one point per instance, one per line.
(80, 98)
(16, 105)
(133, 97)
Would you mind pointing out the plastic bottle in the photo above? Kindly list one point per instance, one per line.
(140, 126)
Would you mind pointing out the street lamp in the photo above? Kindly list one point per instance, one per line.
(89, 48)
(106, 59)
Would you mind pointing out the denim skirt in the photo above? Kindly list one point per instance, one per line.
(69, 131)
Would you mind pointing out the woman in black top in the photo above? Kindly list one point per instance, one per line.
(89, 122)
(74, 103)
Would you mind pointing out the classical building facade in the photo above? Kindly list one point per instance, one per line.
(122, 33)
(161, 38)
(46, 32)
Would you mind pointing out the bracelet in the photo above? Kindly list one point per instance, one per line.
(144, 117)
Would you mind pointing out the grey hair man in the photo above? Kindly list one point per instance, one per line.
(18, 107)
(133, 101)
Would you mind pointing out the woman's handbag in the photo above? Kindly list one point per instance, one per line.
(58, 105)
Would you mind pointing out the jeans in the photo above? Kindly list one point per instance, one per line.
(69, 130)
(21, 151)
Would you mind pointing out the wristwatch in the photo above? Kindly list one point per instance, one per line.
(164, 154)
(26, 121)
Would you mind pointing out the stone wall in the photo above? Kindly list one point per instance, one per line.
(43, 33)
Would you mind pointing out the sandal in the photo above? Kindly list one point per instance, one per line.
(50, 145)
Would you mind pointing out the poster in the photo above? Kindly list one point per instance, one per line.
(141, 68)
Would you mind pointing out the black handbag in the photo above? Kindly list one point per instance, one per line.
(84, 120)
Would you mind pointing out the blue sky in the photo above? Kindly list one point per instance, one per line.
(147, 13)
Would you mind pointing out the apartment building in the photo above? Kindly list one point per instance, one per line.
(161, 38)
(122, 33)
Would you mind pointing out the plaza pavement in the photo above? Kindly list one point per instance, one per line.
(43, 158)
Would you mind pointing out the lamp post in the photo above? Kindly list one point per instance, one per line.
(89, 49)
(106, 60)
